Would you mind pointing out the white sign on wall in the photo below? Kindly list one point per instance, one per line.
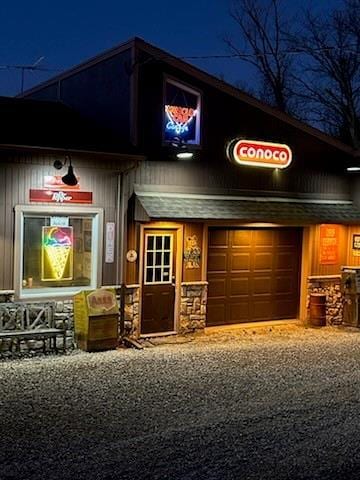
(110, 242)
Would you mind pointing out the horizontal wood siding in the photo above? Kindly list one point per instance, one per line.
(19, 173)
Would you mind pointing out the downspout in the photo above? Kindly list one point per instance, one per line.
(121, 241)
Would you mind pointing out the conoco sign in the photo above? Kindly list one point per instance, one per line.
(260, 154)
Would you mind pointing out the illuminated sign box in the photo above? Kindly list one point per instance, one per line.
(57, 254)
(181, 113)
(259, 154)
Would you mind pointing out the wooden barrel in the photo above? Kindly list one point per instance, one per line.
(318, 309)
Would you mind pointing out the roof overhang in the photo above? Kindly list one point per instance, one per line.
(282, 211)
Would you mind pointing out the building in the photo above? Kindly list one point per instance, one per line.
(54, 236)
(238, 210)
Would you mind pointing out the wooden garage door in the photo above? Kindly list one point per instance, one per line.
(253, 275)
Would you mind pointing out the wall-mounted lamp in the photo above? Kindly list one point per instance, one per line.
(181, 149)
(69, 178)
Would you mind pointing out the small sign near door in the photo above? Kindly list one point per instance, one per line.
(329, 244)
(110, 242)
(356, 244)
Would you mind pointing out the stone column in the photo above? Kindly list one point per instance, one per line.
(330, 285)
(193, 306)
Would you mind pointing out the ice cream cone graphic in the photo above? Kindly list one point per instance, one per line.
(58, 257)
(57, 253)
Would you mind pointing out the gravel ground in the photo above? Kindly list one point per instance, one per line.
(279, 403)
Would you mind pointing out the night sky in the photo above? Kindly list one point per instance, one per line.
(68, 32)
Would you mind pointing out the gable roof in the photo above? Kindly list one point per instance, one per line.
(42, 124)
(157, 53)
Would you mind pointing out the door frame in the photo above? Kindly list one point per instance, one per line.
(179, 232)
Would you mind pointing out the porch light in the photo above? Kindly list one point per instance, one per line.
(184, 155)
(69, 178)
(353, 169)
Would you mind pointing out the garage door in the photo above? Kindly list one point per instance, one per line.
(253, 275)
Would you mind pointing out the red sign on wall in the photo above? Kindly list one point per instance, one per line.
(60, 196)
(329, 244)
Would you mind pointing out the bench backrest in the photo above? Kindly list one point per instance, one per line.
(26, 316)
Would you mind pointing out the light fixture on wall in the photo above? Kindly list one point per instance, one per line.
(69, 178)
(182, 150)
(353, 169)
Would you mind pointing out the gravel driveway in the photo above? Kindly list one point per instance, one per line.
(239, 405)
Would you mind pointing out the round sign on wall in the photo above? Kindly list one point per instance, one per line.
(131, 256)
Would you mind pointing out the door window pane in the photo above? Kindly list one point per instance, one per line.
(158, 266)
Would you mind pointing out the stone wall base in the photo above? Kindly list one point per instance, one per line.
(331, 287)
(193, 306)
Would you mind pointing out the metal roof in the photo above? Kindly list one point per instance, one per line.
(269, 210)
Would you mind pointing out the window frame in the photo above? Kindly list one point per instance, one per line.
(162, 266)
(22, 211)
(197, 143)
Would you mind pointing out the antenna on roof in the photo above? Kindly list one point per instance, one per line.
(32, 68)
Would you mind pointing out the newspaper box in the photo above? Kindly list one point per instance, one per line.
(96, 317)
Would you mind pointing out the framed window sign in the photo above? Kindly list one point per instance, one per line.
(181, 113)
(54, 254)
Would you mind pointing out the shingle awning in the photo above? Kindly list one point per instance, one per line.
(152, 206)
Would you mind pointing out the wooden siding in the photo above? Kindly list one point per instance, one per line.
(190, 229)
(345, 251)
(19, 173)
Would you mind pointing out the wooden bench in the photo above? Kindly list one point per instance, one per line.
(30, 321)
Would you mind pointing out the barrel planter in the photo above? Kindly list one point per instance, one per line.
(318, 309)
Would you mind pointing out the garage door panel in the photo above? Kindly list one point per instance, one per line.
(219, 238)
(262, 309)
(285, 261)
(241, 238)
(216, 314)
(285, 308)
(288, 238)
(239, 286)
(217, 262)
(263, 261)
(254, 276)
(240, 262)
(239, 312)
(263, 238)
(217, 287)
(262, 285)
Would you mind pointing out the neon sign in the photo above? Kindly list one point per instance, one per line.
(57, 253)
(179, 118)
(260, 154)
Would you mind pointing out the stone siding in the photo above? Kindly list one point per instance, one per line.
(193, 306)
(132, 301)
(331, 287)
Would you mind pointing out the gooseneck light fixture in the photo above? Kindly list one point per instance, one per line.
(70, 178)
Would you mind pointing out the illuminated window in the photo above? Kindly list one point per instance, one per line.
(182, 113)
(58, 251)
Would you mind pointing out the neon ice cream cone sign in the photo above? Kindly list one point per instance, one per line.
(57, 253)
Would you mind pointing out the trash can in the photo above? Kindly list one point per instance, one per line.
(318, 309)
(96, 319)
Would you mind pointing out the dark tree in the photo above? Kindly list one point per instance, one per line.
(264, 33)
(328, 80)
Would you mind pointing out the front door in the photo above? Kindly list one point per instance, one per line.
(158, 290)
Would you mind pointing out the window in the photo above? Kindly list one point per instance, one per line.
(158, 259)
(182, 113)
(57, 250)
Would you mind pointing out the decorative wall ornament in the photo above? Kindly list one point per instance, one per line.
(192, 253)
